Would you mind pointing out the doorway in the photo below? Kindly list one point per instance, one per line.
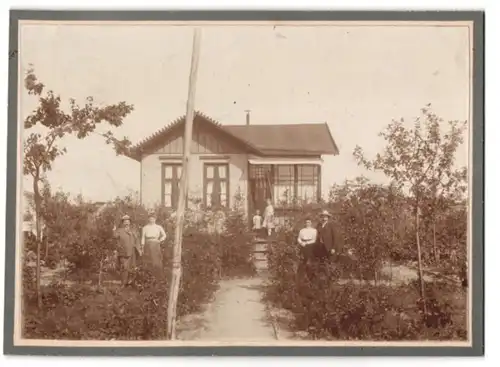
(260, 187)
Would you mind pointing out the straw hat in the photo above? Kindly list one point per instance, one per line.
(325, 213)
(125, 217)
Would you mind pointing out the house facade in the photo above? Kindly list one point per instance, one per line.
(254, 162)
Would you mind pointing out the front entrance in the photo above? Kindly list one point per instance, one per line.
(260, 187)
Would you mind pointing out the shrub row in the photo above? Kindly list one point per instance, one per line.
(331, 310)
(88, 311)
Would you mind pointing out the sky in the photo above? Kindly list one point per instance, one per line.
(356, 78)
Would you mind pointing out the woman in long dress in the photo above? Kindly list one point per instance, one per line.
(268, 222)
(152, 236)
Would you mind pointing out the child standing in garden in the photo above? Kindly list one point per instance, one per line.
(269, 217)
(257, 223)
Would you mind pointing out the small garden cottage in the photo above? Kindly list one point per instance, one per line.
(280, 162)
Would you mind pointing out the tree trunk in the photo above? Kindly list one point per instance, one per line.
(391, 249)
(419, 254)
(434, 245)
(99, 279)
(46, 250)
(37, 199)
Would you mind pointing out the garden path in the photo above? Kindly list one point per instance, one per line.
(237, 313)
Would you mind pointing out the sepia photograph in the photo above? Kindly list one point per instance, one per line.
(244, 183)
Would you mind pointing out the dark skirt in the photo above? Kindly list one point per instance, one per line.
(307, 253)
(152, 255)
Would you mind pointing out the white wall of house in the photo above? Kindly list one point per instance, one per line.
(210, 146)
(151, 179)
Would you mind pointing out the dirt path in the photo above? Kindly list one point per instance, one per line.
(237, 314)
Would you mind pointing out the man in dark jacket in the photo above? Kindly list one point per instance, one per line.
(128, 249)
(328, 244)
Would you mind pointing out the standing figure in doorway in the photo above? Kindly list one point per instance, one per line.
(257, 223)
(127, 250)
(152, 236)
(268, 222)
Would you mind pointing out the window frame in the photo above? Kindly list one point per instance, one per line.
(316, 179)
(164, 180)
(288, 182)
(206, 181)
(296, 184)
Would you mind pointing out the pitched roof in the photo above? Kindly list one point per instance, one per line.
(135, 151)
(287, 139)
(282, 140)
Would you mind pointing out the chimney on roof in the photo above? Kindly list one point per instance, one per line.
(248, 117)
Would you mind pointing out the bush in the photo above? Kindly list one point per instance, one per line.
(85, 312)
(332, 310)
(376, 223)
(236, 247)
(104, 311)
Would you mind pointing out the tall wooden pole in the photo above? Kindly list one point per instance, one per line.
(420, 267)
(181, 205)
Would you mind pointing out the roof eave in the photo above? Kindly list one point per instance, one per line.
(298, 152)
(334, 144)
(136, 151)
(134, 154)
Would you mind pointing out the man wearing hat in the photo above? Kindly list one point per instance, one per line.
(328, 243)
(127, 249)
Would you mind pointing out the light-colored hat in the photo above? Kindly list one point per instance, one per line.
(325, 213)
(125, 217)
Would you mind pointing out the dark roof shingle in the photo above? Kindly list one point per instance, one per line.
(287, 139)
(281, 140)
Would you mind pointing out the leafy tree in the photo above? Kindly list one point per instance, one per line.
(445, 191)
(63, 219)
(421, 162)
(48, 124)
(362, 209)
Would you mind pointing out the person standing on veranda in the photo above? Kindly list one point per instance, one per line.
(268, 222)
(152, 236)
(257, 223)
(128, 250)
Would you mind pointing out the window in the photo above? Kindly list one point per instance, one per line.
(308, 188)
(216, 185)
(171, 177)
(284, 188)
(294, 183)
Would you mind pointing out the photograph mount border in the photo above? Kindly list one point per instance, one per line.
(477, 171)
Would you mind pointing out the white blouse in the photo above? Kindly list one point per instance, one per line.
(307, 236)
(153, 231)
